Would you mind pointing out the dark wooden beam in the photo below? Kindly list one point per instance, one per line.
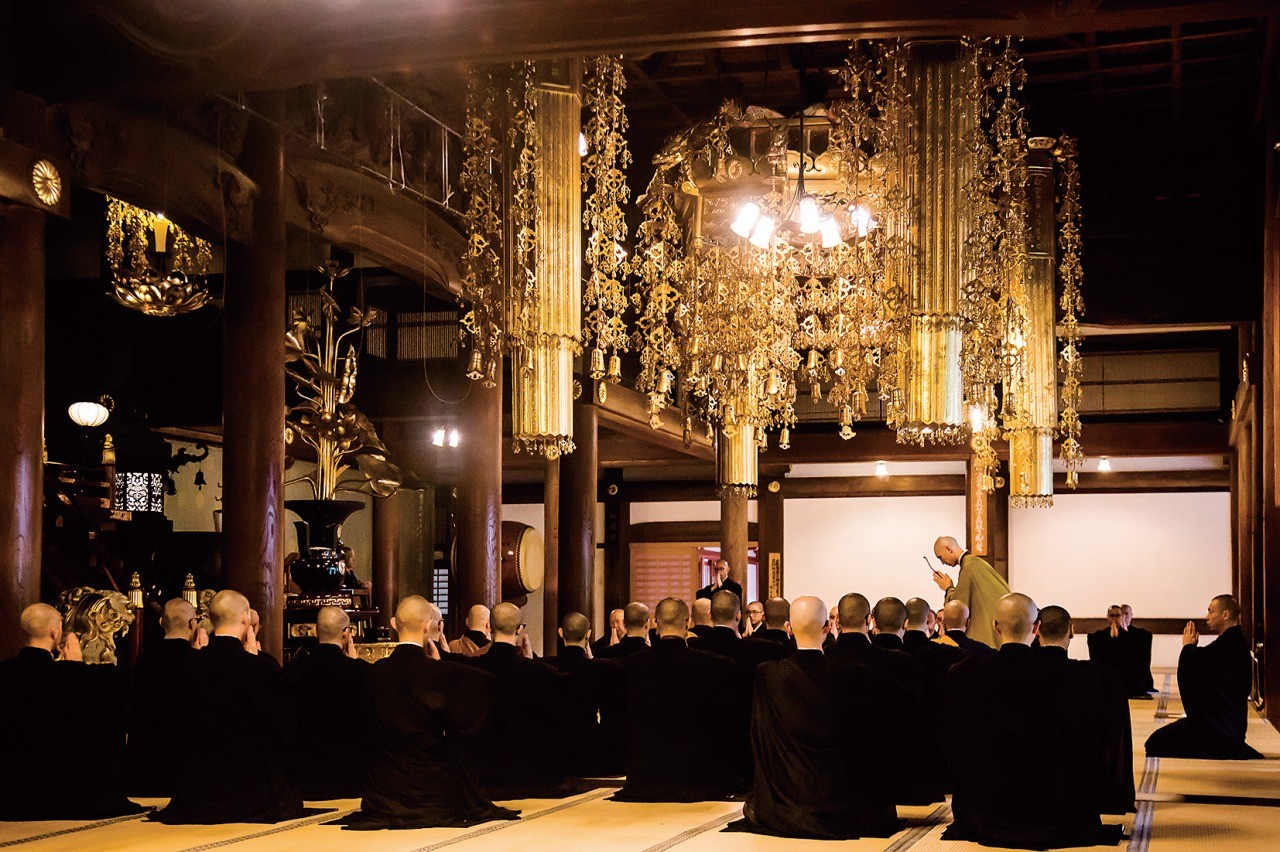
(1154, 482)
(626, 411)
(696, 532)
(872, 486)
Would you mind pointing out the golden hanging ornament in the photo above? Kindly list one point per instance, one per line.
(156, 267)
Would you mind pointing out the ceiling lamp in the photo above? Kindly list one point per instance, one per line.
(88, 415)
(882, 469)
(1104, 465)
(156, 267)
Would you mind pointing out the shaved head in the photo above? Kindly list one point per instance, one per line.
(1228, 606)
(672, 615)
(331, 622)
(1016, 616)
(505, 620)
(948, 550)
(574, 628)
(413, 613)
(701, 612)
(808, 617)
(955, 615)
(478, 618)
(1055, 626)
(854, 609)
(890, 615)
(726, 609)
(918, 612)
(227, 609)
(635, 619)
(178, 619)
(41, 626)
(777, 612)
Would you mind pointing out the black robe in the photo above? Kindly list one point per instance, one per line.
(775, 634)
(160, 718)
(708, 591)
(1214, 682)
(970, 647)
(245, 736)
(417, 708)
(626, 646)
(61, 720)
(325, 686)
(1018, 756)
(1098, 695)
(814, 730)
(701, 631)
(915, 778)
(1128, 653)
(521, 753)
(677, 701)
(595, 721)
(935, 661)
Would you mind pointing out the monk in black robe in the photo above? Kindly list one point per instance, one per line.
(700, 618)
(814, 731)
(1116, 647)
(161, 713)
(51, 710)
(613, 634)
(529, 696)
(1100, 704)
(955, 627)
(1214, 682)
(243, 727)
(777, 612)
(417, 708)
(1014, 747)
(594, 723)
(325, 685)
(1142, 649)
(719, 582)
(678, 700)
(635, 624)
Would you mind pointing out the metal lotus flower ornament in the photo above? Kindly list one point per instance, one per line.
(322, 361)
(156, 267)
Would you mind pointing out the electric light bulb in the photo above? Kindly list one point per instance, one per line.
(763, 232)
(746, 219)
(582, 145)
(860, 218)
(809, 222)
(882, 469)
(1104, 465)
(437, 438)
(453, 438)
(831, 236)
(976, 418)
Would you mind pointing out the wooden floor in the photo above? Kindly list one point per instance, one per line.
(1182, 805)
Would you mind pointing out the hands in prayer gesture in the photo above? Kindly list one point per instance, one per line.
(1189, 634)
(71, 647)
(200, 638)
(943, 580)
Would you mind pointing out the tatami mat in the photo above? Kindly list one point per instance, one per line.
(1184, 805)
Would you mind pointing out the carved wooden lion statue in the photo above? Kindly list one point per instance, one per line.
(98, 618)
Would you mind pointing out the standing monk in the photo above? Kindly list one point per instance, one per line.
(979, 586)
(1214, 681)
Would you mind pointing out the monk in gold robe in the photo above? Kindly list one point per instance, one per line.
(978, 585)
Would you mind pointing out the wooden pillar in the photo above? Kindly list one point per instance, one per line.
(551, 557)
(769, 547)
(617, 524)
(386, 557)
(579, 471)
(987, 520)
(733, 535)
(253, 386)
(22, 289)
(1269, 410)
(480, 502)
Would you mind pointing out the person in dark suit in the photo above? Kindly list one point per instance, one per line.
(1015, 745)
(955, 626)
(323, 682)
(777, 612)
(52, 710)
(719, 580)
(595, 724)
(1115, 646)
(418, 707)
(244, 728)
(815, 724)
(677, 701)
(529, 696)
(1101, 710)
(1215, 682)
(635, 621)
(159, 711)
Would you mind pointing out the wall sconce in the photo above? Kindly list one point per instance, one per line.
(89, 415)
(1104, 465)
(441, 437)
(882, 469)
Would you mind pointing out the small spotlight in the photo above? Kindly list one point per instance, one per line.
(453, 437)
(746, 219)
(437, 438)
(882, 469)
(1104, 465)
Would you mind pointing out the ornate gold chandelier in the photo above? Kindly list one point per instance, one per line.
(876, 247)
(156, 267)
(522, 273)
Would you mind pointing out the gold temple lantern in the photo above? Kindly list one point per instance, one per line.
(737, 462)
(934, 169)
(1031, 394)
(542, 369)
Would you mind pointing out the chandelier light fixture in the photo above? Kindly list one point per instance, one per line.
(875, 246)
(156, 267)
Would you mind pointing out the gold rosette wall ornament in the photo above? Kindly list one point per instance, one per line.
(156, 267)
